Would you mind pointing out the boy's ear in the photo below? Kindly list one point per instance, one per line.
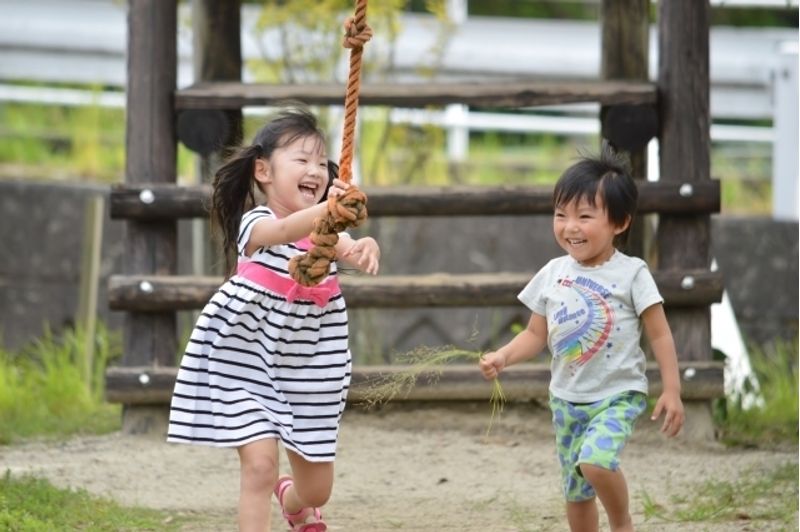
(624, 227)
(261, 172)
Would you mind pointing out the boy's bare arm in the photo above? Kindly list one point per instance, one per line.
(659, 335)
(525, 345)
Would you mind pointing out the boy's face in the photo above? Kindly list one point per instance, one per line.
(584, 231)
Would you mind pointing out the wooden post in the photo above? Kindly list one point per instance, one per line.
(90, 281)
(217, 56)
(684, 241)
(624, 56)
(150, 247)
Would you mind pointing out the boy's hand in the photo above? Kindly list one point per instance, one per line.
(492, 364)
(671, 406)
(365, 254)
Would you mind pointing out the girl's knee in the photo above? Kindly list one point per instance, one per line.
(260, 472)
(313, 494)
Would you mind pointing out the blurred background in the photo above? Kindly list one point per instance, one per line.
(62, 125)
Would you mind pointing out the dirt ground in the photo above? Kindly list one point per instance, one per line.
(404, 469)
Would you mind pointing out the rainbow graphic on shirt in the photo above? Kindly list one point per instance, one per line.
(581, 333)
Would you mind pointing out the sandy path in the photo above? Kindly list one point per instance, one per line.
(432, 468)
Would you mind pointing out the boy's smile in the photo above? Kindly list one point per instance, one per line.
(584, 231)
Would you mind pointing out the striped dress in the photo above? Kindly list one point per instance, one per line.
(260, 364)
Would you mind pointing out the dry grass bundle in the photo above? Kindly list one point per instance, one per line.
(428, 363)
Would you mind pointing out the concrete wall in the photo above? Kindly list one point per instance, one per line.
(41, 231)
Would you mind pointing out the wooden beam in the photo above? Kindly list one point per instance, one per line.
(625, 30)
(684, 150)
(157, 201)
(150, 157)
(162, 293)
(154, 385)
(510, 93)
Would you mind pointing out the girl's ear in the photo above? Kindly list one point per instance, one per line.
(261, 171)
(624, 227)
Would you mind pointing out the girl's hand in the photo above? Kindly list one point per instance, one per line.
(364, 254)
(670, 404)
(338, 187)
(492, 364)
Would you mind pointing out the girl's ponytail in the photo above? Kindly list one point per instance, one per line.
(232, 196)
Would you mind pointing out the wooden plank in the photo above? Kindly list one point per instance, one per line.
(523, 382)
(684, 144)
(157, 201)
(508, 93)
(163, 293)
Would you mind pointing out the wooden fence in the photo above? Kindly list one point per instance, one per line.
(673, 108)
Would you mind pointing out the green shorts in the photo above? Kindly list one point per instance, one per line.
(592, 433)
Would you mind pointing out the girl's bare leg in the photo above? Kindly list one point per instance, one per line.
(258, 476)
(582, 516)
(612, 490)
(313, 483)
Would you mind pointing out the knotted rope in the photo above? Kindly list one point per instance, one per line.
(349, 210)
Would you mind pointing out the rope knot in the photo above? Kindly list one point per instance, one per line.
(348, 210)
(356, 35)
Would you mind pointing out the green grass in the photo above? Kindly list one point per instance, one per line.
(757, 497)
(776, 421)
(45, 392)
(29, 504)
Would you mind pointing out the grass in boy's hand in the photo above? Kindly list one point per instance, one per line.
(427, 363)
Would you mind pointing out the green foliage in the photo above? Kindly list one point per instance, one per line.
(32, 505)
(776, 421)
(757, 497)
(44, 390)
(67, 142)
(310, 32)
(75, 143)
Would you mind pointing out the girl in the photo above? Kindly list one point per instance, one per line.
(588, 308)
(268, 359)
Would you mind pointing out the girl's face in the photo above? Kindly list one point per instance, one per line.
(585, 232)
(295, 176)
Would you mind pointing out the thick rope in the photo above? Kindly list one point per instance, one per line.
(350, 209)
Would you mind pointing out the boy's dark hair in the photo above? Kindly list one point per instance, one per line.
(233, 190)
(607, 174)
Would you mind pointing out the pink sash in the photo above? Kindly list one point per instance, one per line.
(320, 294)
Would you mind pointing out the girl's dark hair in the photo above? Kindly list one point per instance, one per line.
(333, 173)
(609, 175)
(233, 185)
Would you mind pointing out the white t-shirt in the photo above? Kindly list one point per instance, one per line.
(593, 324)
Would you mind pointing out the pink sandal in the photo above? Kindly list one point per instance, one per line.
(303, 514)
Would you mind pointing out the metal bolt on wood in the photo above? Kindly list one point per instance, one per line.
(146, 196)
(146, 287)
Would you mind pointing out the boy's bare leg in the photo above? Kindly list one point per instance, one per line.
(582, 516)
(612, 490)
